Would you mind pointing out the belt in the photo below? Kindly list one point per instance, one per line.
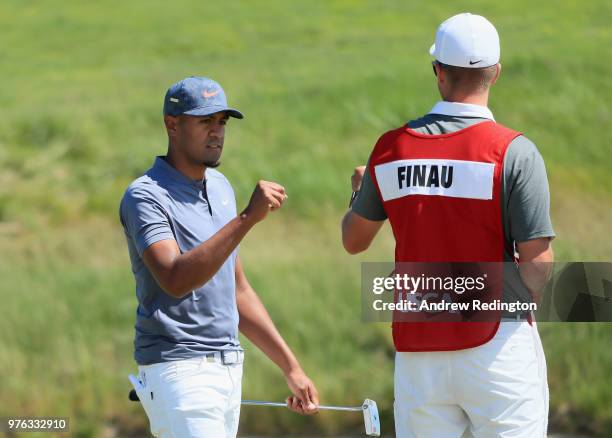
(519, 316)
(225, 357)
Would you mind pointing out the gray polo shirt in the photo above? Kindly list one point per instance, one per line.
(525, 195)
(165, 204)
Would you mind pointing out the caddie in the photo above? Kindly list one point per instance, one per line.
(456, 186)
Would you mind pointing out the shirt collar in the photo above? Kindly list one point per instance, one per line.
(161, 166)
(458, 109)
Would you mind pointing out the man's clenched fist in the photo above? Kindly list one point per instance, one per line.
(267, 196)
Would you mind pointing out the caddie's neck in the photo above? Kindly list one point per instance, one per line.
(192, 170)
(458, 96)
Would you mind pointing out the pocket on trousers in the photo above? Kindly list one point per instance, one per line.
(147, 397)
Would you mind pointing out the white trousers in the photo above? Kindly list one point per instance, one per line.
(498, 389)
(191, 398)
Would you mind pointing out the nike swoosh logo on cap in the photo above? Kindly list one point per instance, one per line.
(475, 62)
(208, 95)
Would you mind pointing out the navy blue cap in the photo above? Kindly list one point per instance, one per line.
(197, 96)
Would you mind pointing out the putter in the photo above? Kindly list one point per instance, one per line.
(368, 407)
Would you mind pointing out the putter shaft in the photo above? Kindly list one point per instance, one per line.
(284, 405)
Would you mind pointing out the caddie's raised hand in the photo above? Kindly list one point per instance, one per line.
(267, 196)
(357, 177)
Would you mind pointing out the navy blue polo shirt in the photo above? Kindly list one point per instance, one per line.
(165, 204)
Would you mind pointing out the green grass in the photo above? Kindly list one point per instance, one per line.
(83, 84)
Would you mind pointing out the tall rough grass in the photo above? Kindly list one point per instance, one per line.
(319, 82)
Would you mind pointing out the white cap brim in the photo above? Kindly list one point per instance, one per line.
(432, 49)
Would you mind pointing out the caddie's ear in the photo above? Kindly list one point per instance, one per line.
(171, 123)
(496, 77)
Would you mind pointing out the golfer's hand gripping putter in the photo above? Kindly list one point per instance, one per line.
(369, 408)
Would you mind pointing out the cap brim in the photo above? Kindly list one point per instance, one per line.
(209, 110)
(432, 49)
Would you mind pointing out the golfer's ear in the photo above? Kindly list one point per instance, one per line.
(171, 123)
(441, 75)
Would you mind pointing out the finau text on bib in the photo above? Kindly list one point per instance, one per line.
(453, 178)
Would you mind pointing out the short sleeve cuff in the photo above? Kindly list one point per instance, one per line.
(536, 235)
(145, 240)
(367, 213)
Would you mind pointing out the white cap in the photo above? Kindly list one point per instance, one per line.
(466, 40)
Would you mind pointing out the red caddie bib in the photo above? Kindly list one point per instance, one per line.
(442, 195)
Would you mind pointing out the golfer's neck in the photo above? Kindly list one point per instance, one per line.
(191, 171)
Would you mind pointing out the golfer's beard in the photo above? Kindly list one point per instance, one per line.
(212, 164)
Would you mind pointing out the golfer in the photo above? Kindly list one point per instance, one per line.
(183, 231)
(456, 186)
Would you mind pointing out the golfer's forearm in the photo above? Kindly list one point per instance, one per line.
(257, 326)
(192, 269)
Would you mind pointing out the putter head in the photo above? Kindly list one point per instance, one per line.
(371, 418)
